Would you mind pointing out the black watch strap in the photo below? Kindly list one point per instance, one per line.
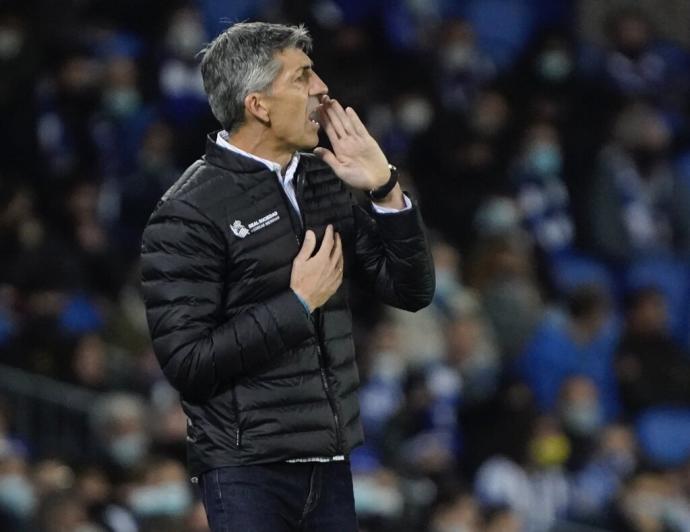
(384, 190)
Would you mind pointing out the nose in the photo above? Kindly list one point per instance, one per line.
(318, 87)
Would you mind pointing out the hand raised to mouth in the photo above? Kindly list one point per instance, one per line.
(356, 158)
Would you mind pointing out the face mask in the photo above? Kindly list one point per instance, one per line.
(171, 499)
(186, 38)
(583, 418)
(480, 377)
(446, 284)
(11, 42)
(457, 57)
(554, 65)
(496, 216)
(17, 495)
(128, 450)
(415, 115)
(122, 102)
(545, 159)
(373, 499)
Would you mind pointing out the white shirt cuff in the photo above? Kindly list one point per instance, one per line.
(391, 210)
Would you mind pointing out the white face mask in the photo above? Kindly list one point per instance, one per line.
(128, 450)
(11, 42)
(583, 418)
(415, 115)
(373, 499)
(122, 102)
(170, 499)
(17, 495)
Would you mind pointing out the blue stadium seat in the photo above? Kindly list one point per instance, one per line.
(670, 276)
(664, 435)
(573, 270)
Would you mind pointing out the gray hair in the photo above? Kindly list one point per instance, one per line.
(242, 60)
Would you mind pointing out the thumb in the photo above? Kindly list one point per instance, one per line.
(327, 156)
(307, 246)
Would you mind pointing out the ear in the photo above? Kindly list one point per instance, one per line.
(255, 105)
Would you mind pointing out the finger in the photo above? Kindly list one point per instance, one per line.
(327, 156)
(328, 127)
(340, 267)
(307, 246)
(343, 116)
(357, 124)
(339, 271)
(337, 251)
(331, 112)
(326, 243)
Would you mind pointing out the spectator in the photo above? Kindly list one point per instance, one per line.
(123, 116)
(18, 498)
(650, 502)
(636, 63)
(582, 417)
(420, 335)
(504, 274)
(100, 111)
(162, 495)
(463, 69)
(139, 192)
(65, 118)
(541, 193)
(596, 484)
(652, 368)
(638, 205)
(121, 426)
(181, 87)
(536, 489)
(462, 512)
(581, 343)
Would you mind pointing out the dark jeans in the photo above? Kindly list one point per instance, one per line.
(281, 497)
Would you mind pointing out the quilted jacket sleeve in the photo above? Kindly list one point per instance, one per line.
(393, 258)
(184, 266)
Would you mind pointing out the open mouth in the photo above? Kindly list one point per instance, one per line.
(315, 116)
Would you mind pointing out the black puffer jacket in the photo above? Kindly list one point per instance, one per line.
(261, 380)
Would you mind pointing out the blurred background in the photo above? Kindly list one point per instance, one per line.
(548, 144)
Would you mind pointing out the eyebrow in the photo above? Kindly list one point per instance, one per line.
(302, 68)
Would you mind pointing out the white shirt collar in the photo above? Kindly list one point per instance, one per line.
(221, 140)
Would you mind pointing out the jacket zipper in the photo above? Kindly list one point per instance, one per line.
(324, 381)
(316, 315)
(238, 431)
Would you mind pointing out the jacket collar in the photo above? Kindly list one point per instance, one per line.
(229, 160)
(239, 164)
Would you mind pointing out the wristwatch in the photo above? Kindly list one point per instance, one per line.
(379, 193)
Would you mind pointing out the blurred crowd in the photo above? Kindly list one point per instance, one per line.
(547, 387)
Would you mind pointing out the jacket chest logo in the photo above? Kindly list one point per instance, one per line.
(242, 231)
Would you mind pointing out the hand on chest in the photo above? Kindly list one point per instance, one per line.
(264, 233)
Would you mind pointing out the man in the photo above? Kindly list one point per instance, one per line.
(242, 269)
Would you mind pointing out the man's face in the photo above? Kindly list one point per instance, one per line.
(292, 101)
